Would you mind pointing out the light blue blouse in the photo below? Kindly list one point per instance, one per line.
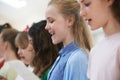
(70, 65)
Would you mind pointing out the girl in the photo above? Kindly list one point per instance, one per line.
(66, 26)
(105, 14)
(45, 51)
(25, 49)
(9, 53)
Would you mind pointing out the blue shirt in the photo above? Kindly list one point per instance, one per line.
(70, 65)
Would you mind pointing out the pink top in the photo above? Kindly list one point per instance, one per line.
(104, 60)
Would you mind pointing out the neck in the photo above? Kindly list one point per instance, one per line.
(112, 27)
(10, 55)
(69, 38)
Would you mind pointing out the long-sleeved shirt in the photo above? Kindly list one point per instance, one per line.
(70, 65)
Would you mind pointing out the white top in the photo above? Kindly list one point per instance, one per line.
(20, 77)
(24, 73)
(30, 68)
(7, 71)
(104, 60)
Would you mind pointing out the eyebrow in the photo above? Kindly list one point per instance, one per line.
(47, 18)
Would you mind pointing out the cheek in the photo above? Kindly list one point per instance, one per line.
(101, 19)
(30, 55)
(1, 55)
(52, 26)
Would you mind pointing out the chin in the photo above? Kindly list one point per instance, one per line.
(55, 42)
(94, 28)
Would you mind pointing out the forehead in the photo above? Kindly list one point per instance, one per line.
(80, 0)
(51, 11)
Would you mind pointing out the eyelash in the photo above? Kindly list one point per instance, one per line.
(51, 21)
(87, 4)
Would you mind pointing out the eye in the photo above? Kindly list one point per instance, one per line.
(51, 21)
(87, 4)
(22, 47)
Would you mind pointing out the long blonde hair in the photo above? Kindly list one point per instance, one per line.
(80, 30)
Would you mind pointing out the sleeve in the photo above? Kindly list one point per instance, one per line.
(76, 67)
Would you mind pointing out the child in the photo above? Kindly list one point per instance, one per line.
(45, 51)
(66, 26)
(25, 49)
(104, 62)
(9, 53)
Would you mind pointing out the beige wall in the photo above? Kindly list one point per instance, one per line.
(19, 18)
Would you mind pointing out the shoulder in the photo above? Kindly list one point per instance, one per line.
(76, 66)
(78, 57)
(4, 69)
(17, 63)
(8, 72)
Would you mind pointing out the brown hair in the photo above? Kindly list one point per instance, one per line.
(9, 35)
(115, 7)
(5, 26)
(22, 39)
(80, 30)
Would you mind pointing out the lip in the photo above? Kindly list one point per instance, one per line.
(21, 57)
(52, 37)
(88, 21)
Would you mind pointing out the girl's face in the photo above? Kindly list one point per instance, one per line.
(96, 12)
(57, 25)
(27, 54)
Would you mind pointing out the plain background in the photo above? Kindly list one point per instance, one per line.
(34, 11)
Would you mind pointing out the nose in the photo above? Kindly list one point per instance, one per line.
(83, 13)
(19, 52)
(47, 27)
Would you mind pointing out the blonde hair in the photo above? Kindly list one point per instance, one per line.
(80, 30)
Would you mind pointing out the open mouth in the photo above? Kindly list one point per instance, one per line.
(52, 33)
(22, 57)
(88, 21)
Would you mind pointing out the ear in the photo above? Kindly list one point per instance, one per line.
(70, 21)
(6, 45)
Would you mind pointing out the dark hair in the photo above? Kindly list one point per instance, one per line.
(5, 26)
(9, 35)
(45, 51)
(116, 9)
